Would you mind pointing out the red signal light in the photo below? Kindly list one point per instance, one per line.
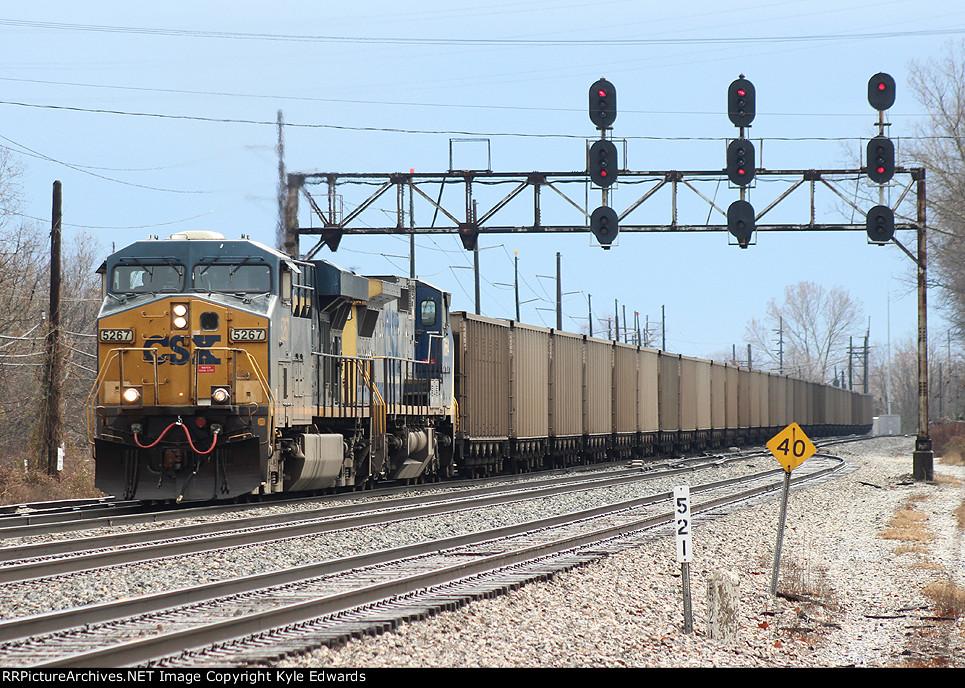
(601, 93)
(882, 86)
(741, 92)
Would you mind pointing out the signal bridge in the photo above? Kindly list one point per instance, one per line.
(602, 171)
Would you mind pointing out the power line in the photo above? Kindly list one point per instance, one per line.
(397, 130)
(77, 168)
(399, 103)
(487, 42)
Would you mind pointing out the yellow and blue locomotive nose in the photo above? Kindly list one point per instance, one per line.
(173, 373)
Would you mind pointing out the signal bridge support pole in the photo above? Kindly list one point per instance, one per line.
(923, 457)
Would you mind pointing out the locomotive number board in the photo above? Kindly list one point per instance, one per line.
(248, 334)
(116, 335)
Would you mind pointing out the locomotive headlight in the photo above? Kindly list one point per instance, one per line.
(180, 313)
(220, 395)
(131, 396)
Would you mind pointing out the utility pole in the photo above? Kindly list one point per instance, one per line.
(412, 239)
(281, 229)
(616, 320)
(516, 281)
(475, 262)
(663, 327)
(475, 268)
(780, 346)
(589, 306)
(850, 366)
(559, 294)
(53, 425)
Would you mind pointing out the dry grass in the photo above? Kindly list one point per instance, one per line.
(949, 598)
(952, 458)
(907, 525)
(960, 515)
(804, 581)
(18, 486)
(947, 480)
(948, 442)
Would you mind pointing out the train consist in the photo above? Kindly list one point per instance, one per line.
(227, 368)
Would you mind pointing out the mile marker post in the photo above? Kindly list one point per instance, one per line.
(681, 509)
(791, 447)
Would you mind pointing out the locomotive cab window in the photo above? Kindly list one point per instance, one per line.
(147, 279)
(233, 279)
(428, 313)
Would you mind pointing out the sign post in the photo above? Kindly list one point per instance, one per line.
(681, 509)
(791, 447)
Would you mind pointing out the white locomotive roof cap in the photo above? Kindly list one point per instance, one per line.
(196, 234)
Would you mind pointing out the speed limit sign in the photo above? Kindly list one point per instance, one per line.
(791, 447)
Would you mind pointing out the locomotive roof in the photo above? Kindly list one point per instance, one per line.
(193, 246)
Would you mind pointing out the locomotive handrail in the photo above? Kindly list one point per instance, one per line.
(234, 377)
(350, 399)
(398, 387)
(117, 353)
(379, 421)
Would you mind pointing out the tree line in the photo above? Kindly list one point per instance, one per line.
(24, 329)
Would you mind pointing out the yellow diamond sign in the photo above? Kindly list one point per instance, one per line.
(791, 447)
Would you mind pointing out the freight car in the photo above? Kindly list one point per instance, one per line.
(531, 397)
(227, 368)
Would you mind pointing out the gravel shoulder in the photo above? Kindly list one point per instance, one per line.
(856, 583)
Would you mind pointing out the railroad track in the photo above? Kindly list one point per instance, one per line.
(330, 600)
(23, 561)
(65, 516)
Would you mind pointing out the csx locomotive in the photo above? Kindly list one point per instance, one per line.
(227, 369)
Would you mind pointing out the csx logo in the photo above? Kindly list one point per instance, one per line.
(178, 345)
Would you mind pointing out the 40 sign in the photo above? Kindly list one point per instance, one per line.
(791, 447)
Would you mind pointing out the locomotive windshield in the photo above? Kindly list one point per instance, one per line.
(234, 279)
(147, 279)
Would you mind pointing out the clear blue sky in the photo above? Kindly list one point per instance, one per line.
(158, 117)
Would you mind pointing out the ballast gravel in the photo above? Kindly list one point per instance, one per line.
(855, 589)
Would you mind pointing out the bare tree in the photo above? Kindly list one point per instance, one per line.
(806, 335)
(24, 300)
(939, 84)
(10, 189)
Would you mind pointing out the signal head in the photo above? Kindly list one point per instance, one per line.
(469, 234)
(881, 159)
(740, 222)
(603, 163)
(603, 104)
(740, 162)
(605, 225)
(881, 91)
(880, 224)
(741, 102)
